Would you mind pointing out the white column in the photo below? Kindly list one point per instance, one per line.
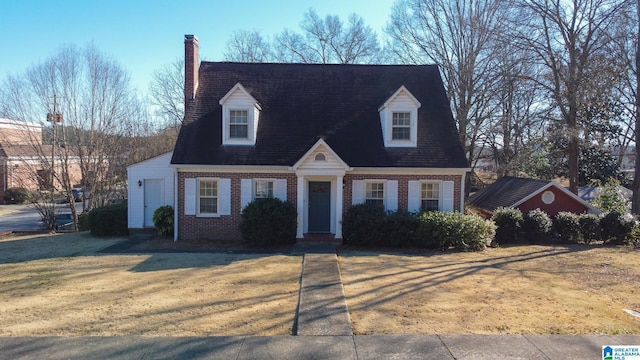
(339, 201)
(300, 196)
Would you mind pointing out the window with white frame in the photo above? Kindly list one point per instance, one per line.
(374, 193)
(430, 196)
(263, 189)
(238, 124)
(401, 126)
(207, 197)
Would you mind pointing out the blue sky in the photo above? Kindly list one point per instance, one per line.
(143, 35)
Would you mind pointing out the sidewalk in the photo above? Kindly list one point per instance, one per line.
(324, 332)
(426, 347)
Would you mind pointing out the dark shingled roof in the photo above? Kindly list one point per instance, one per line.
(302, 103)
(505, 192)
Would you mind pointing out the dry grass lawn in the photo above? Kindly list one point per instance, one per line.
(62, 285)
(59, 285)
(513, 290)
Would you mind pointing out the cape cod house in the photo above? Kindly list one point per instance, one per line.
(322, 137)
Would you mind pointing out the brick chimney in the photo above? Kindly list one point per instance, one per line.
(191, 64)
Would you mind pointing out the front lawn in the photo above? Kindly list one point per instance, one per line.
(513, 290)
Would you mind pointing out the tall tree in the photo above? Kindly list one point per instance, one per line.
(167, 93)
(325, 41)
(247, 46)
(565, 35)
(99, 111)
(458, 36)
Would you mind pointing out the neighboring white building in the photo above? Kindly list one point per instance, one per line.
(150, 185)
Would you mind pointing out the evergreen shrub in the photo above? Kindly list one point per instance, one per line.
(269, 222)
(508, 223)
(109, 220)
(163, 220)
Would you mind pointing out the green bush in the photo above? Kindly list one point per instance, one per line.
(566, 227)
(462, 232)
(83, 221)
(536, 225)
(361, 225)
(398, 229)
(616, 228)
(163, 220)
(17, 195)
(508, 223)
(109, 220)
(269, 222)
(589, 228)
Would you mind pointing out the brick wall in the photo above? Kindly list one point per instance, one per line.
(403, 187)
(226, 227)
(191, 227)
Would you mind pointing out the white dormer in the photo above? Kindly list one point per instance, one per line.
(399, 119)
(240, 115)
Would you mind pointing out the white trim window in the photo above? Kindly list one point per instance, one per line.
(374, 193)
(263, 189)
(207, 197)
(238, 124)
(430, 196)
(401, 126)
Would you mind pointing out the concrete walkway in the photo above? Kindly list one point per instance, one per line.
(324, 330)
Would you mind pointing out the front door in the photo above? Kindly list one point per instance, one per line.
(152, 199)
(319, 206)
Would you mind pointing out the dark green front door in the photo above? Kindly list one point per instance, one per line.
(319, 206)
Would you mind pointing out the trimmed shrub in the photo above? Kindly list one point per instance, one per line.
(361, 225)
(589, 228)
(566, 227)
(17, 195)
(398, 229)
(508, 223)
(462, 232)
(536, 225)
(616, 228)
(269, 222)
(83, 221)
(109, 220)
(163, 220)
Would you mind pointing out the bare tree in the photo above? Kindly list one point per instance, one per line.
(458, 36)
(565, 35)
(167, 93)
(328, 41)
(98, 109)
(247, 46)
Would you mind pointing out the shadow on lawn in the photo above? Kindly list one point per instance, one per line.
(411, 278)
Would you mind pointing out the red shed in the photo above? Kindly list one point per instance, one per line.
(528, 194)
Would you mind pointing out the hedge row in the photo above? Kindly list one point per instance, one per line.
(538, 227)
(372, 226)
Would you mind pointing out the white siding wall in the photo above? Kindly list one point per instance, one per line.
(154, 168)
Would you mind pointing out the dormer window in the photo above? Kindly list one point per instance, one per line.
(240, 116)
(238, 124)
(401, 126)
(399, 119)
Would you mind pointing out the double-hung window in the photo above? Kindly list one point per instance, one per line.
(263, 189)
(374, 193)
(238, 124)
(430, 196)
(401, 126)
(207, 197)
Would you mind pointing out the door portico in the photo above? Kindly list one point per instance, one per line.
(320, 178)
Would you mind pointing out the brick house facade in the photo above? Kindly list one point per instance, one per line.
(322, 137)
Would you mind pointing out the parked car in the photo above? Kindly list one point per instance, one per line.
(63, 221)
(78, 193)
